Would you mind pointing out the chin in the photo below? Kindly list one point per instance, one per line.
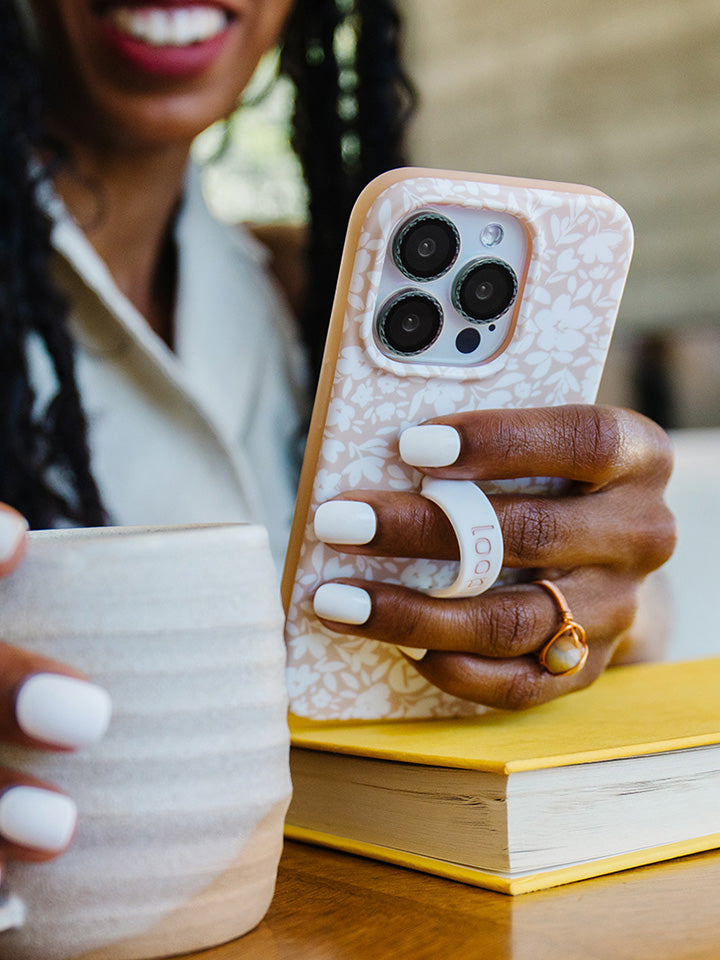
(157, 122)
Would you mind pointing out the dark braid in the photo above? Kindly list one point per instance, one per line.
(44, 460)
(349, 119)
(349, 114)
(385, 97)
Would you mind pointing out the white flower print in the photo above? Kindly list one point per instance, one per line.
(327, 486)
(340, 415)
(386, 411)
(363, 396)
(562, 328)
(600, 246)
(321, 699)
(440, 396)
(299, 679)
(372, 702)
(387, 384)
(351, 364)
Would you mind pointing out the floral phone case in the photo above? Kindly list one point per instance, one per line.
(551, 350)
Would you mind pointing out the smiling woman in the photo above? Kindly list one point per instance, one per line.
(152, 372)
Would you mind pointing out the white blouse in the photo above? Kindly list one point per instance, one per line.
(210, 432)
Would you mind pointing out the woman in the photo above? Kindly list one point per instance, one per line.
(179, 369)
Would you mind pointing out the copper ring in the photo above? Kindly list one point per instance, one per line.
(570, 630)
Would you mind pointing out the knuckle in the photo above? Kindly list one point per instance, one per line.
(667, 535)
(655, 541)
(644, 447)
(519, 691)
(620, 609)
(595, 438)
(504, 434)
(663, 455)
(655, 450)
(532, 530)
(450, 677)
(424, 524)
(506, 628)
(408, 617)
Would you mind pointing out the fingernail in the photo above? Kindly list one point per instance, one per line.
(63, 711)
(430, 445)
(415, 653)
(12, 530)
(37, 818)
(341, 602)
(345, 521)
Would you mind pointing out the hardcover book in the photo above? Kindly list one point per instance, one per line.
(624, 773)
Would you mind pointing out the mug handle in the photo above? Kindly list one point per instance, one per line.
(12, 911)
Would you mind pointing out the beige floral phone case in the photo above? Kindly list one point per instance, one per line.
(579, 244)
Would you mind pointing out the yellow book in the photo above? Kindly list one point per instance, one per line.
(624, 773)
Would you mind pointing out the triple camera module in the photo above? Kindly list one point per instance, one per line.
(426, 248)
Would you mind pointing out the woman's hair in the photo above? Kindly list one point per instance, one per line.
(44, 461)
(350, 107)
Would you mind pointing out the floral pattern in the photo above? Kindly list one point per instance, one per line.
(581, 247)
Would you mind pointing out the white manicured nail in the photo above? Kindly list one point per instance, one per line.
(61, 710)
(345, 521)
(12, 530)
(36, 818)
(415, 653)
(430, 445)
(341, 602)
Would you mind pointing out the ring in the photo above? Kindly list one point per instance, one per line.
(478, 533)
(566, 651)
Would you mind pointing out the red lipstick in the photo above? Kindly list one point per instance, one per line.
(171, 60)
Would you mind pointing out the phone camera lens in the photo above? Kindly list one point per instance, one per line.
(426, 246)
(410, 323)
(484, 290)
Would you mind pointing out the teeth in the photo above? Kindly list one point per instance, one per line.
(169, 26)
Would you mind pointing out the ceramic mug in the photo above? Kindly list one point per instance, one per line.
(181, 805)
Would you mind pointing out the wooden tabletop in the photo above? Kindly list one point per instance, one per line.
(333, 906)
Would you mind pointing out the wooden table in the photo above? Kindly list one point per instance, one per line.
(333, 906)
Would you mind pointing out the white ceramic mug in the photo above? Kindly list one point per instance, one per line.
(181, 806)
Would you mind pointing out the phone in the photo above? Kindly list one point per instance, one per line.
(456, 291)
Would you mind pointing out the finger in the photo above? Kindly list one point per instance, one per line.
(13, 530)
(505, 622)
(37, 821)
(514, 684)
(590, 444)
(561, 532)
(44, 703)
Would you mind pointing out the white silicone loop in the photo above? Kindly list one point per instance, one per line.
(478, 533)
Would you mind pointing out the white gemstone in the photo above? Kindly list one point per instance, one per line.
(563, 655)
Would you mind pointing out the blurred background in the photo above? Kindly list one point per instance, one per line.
(623, 95)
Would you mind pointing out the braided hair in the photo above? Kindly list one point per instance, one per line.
(44, 460)
(350, 107)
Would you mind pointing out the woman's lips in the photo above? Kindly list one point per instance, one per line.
(172, 40)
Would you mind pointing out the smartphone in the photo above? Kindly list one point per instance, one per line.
(456, 292)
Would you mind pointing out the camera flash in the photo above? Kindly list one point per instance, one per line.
(492, 235)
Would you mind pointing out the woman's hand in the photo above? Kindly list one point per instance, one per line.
(43, 704)
(597, 542)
